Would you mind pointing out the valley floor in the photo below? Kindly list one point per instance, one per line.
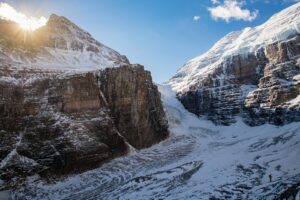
(198, 161)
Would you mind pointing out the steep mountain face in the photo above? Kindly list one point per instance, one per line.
(253, 73)
(61, 114)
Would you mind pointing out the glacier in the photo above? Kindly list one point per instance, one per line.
(198, 161)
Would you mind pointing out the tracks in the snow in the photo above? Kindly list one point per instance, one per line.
(119, 174)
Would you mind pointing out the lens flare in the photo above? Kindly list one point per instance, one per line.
(7, 12)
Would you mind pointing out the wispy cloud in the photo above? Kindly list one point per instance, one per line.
(196, 18)
(293, 1)
(231, 10)
(215, 1)
(274, 2)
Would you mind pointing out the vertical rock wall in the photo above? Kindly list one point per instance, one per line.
(66, 124)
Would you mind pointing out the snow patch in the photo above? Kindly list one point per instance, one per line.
(247, 90)
(294, 102)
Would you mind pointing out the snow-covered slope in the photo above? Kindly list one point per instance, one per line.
(279, 27)
(198, 161)
(60, 46)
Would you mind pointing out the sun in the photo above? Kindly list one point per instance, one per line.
(32, 24)
(27, 23)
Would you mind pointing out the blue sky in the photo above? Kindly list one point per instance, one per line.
(160, 34)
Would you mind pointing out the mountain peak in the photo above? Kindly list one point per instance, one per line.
(55, 19)
(63, 45)
(61, 22)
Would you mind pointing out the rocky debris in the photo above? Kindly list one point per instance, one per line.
(69, 123)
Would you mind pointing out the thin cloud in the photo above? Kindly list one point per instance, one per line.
(291, 1)
(274, 2)
(215, 1)
(231, 10)
(196, 18)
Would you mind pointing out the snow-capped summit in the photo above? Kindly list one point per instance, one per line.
(278, 28)
(250, 73)
(60, 45)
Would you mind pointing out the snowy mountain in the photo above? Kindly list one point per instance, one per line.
(69, 104)
(91, 134)
(279, 27)
(252, 72)
(60, 45)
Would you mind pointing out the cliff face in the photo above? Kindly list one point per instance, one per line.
(253, 73)
(276, 99)
(261, 86)
(135, 104)
(68, 103)
(71, 123)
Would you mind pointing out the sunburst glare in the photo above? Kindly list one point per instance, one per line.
(27, 23)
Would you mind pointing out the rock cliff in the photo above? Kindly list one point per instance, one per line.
(253, 73)
(69, 123)
(60, 114)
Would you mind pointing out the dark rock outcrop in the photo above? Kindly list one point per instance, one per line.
(68, 123)
(136, 109)
(292, 193)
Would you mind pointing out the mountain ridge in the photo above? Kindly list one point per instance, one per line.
(279, 27)
(250, 73)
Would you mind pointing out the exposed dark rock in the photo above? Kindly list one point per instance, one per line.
(135, 104)
(68, 123)
(292, 193)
